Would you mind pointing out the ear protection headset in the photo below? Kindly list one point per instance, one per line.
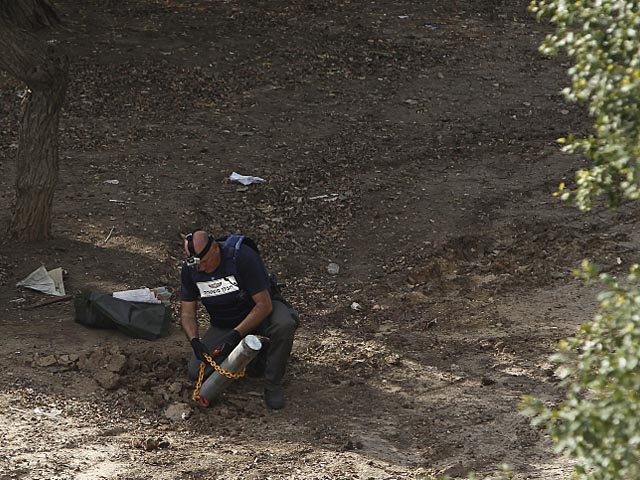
(194, 257)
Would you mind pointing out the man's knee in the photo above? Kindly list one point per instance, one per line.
(283, 320)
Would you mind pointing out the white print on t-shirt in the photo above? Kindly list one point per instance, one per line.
(220, 286)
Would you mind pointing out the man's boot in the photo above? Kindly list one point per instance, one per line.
(274, 397)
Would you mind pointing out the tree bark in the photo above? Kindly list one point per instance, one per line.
(44, 70)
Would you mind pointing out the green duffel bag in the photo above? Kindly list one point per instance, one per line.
(149, 321)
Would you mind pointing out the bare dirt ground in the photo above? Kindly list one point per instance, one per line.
(410, 142)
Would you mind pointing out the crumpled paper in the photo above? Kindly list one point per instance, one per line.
(44, 281)
(245, 179)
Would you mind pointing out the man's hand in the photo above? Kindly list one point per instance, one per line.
(226, 346)
(199, 349)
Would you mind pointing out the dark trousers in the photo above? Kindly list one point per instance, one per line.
(279, 327)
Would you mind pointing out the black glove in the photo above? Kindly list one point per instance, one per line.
(199, 348)
(226, 345)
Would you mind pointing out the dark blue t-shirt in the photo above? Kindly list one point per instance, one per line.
(227, 297)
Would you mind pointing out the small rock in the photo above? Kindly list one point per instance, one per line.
(113, 431)
(486, 381)
(178, 411)
(116, 363)
(106, 379)
(348, 445)
(333, 268)
(175, 387)
(64, 360)
(46, 361)
(93, 361)
(149, 444)
(457, 470)
(67, 360)
(416, 297)
(393, 359)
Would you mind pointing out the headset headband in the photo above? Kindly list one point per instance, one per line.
(192, 249)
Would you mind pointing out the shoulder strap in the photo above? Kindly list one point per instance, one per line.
(230, 249)
(233, 243)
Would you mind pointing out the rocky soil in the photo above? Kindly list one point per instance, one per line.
(410, 143)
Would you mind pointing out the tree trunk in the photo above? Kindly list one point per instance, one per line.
(37, 162)
(45, 72)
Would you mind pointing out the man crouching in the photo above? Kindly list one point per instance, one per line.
(229, 277)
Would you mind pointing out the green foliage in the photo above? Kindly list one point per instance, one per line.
(602, 38)
(599, 421)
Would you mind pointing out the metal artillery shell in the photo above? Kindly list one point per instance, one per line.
(237, 360)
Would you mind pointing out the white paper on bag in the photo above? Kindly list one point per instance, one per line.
(44, 281)
(137, 295)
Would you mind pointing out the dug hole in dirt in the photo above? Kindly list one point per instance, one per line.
(410, 143)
